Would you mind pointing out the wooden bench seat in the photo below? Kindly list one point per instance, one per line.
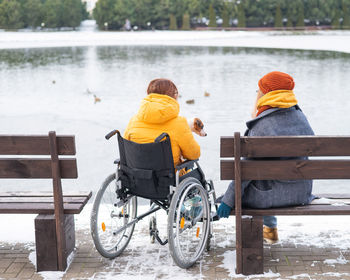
(11, 203)
(336, 206)
(258, 158)
(54, 225)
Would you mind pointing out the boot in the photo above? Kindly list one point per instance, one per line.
(270, 235)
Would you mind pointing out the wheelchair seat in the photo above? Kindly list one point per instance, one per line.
(147, 170)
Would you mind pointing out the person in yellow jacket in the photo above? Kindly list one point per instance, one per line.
(158, 113)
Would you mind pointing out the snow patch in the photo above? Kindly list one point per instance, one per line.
(52, 275)
(113, 276)
(225, 243)
(335, 274)
(313, 232)
(304, 275)
(339, 204)
(229, 263)
(321, 200)
(333, 202)
(339, 260)
(32, 258)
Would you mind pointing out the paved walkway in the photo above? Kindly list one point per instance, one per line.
(282, 261)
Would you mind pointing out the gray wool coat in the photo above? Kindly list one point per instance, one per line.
(275, 193)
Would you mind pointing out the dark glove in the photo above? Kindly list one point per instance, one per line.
(224, 210)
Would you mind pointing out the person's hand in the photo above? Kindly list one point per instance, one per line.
(224, 210)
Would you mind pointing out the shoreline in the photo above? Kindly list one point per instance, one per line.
(337, 41)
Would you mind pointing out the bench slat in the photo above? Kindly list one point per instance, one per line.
(35, 145)
(44, 194)
(42, 208)
(287, 169)
(318, 209)
(36, 168)
(291, 146)
(77, 199)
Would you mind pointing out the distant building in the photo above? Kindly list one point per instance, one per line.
(90, 5)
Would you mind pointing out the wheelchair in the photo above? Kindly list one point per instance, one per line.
(147, 171)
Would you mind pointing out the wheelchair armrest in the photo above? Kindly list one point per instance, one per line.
(117, 161)
(186, 164)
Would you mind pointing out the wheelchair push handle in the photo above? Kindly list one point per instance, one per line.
(161, 137)
(111, 134)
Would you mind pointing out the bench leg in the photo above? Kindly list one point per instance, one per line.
(46, 241)
(252, 245)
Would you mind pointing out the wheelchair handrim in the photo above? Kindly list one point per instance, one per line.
(176, 248)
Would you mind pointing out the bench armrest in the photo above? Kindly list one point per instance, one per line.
(186, 164)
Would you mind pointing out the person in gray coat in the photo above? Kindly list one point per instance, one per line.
(276, 113)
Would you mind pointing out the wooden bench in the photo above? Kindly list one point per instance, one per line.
(54, 226)
(249, 230)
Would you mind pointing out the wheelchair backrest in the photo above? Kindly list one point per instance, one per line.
(147, 170)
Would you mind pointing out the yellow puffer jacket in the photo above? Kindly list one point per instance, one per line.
(160, 113)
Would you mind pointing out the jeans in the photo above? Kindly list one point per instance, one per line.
(270, 221)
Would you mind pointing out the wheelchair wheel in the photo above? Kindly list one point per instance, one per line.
(107, 218)
(188, 222)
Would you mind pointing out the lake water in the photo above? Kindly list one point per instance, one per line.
(44, 89)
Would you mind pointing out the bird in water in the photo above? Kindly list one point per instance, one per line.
(97, 99)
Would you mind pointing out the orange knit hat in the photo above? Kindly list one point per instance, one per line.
(276, 81)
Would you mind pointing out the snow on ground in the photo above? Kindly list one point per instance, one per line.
(141, 254)
(308, 40)
(51, 275)
(340, 260)
(229, 263)
(305, 230)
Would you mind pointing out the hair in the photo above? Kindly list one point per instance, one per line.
(162, 86)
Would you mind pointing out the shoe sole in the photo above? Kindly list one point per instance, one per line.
(269, 241)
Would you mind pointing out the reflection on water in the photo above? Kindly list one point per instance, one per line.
(41, 57)
(152, 54)
(76, 55)
(52, 89)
